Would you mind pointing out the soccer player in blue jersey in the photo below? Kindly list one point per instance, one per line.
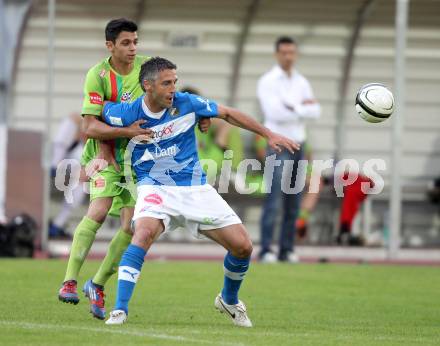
(171, 185)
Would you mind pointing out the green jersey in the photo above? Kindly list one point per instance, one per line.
(103, 83)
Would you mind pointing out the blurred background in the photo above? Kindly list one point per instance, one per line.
(222, 48)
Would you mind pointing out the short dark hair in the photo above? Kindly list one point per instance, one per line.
(283, 40)
(151, 68)
(116, 26)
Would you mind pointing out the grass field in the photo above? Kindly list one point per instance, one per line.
(173, 305)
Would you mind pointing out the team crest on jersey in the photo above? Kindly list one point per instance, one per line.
(126, 97)
(102, 73)
(174, 112)
(100, 183)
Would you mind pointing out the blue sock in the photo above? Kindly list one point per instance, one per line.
(129, 270)
(235, 269)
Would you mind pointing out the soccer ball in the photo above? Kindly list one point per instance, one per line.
(374, 102)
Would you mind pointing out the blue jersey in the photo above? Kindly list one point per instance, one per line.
(170, 158)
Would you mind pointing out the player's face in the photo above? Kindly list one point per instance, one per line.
(124, 48)
(163, 89)
(286, 55)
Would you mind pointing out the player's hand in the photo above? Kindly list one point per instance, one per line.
(83, 176)
(278, 142)
(204, 124)
(135, 130)
(309, 102)
(104, 158)
(93, 167)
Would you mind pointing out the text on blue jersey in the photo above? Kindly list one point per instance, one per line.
(170, 157)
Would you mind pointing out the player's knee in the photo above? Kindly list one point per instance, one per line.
(97, 213)
(244, 250)
(144, 237)
(98, 209)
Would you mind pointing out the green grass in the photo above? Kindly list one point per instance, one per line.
(318, 304)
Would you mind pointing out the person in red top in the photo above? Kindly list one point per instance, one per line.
(351, 202)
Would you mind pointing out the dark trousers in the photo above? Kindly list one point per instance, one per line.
(275, 200)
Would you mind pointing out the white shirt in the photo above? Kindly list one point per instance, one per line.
(277, 92)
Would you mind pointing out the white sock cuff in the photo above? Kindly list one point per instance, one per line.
(127, 273)
(233, 275)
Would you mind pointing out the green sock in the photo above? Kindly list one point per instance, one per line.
(110, 264)
(83, 239)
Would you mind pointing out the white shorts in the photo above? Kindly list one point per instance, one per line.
(196, 208)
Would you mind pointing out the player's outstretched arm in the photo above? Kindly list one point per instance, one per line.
(274, 140)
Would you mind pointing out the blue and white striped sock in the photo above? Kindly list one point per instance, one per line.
(235, 269)
(128, 274)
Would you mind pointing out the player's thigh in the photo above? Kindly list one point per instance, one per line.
(233, 238)
(146, 231)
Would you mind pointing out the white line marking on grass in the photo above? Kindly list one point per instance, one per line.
(296, 334)
(109, 330)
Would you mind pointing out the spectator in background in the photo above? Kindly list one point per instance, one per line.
(67, 144)
(287, 100)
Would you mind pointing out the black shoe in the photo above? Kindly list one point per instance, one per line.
(343, 238)
(344, 234)
(282, 256)
(346, 239)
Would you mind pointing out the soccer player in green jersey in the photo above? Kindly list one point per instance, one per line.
(114, 79)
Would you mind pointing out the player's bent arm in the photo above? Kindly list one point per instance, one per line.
(238, 118)
(309, 109)
(96, 129)
(275, 107)
(123, 117)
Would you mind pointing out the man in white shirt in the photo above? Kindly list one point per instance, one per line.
(287, 100)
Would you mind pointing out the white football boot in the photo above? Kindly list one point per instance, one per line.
(292, 258)
(117, 317)
(269, 258)
(236, 312)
